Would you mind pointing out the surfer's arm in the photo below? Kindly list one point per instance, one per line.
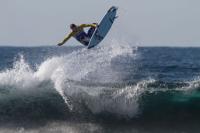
(87, 25)
(66, 39)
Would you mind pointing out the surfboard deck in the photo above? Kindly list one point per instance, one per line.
(103, 27)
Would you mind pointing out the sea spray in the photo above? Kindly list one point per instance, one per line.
(81, 65)
(160, 89)
(21, 75)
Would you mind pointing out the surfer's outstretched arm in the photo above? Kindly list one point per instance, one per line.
(66, 39)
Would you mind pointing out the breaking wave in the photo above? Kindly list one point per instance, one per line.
(95, 81)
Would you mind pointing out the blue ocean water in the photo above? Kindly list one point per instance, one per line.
(111, 88)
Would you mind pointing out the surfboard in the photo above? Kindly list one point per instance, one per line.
(103, 27)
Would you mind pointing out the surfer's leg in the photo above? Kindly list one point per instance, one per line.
(85, 43)
(90, 32)
(83, 38)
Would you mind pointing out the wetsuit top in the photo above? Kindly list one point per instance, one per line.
(78, 33)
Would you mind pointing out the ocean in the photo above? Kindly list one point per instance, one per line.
(115, 88)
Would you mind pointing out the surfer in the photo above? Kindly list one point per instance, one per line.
(79, 34)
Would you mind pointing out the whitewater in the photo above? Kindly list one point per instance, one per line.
(68, 71)
(73, 89)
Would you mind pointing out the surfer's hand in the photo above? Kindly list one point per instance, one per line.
(95, 25)
(59, 44)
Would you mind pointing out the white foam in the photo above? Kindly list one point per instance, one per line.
(119, 101)
(57, 127)
(20, 76)
(78, 66)
(192, 85)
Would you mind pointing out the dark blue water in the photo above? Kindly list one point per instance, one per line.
(115, 88)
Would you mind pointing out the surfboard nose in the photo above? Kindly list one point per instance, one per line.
(113, 8)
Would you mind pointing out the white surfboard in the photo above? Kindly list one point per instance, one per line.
(103, 27)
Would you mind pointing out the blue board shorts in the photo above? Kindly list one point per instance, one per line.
(84, 38)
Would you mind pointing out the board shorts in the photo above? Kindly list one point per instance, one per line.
(83, 37)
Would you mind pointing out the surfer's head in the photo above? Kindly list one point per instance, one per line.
(73, 26)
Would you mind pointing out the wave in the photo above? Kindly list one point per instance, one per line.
(86, 80)
(58, 72)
